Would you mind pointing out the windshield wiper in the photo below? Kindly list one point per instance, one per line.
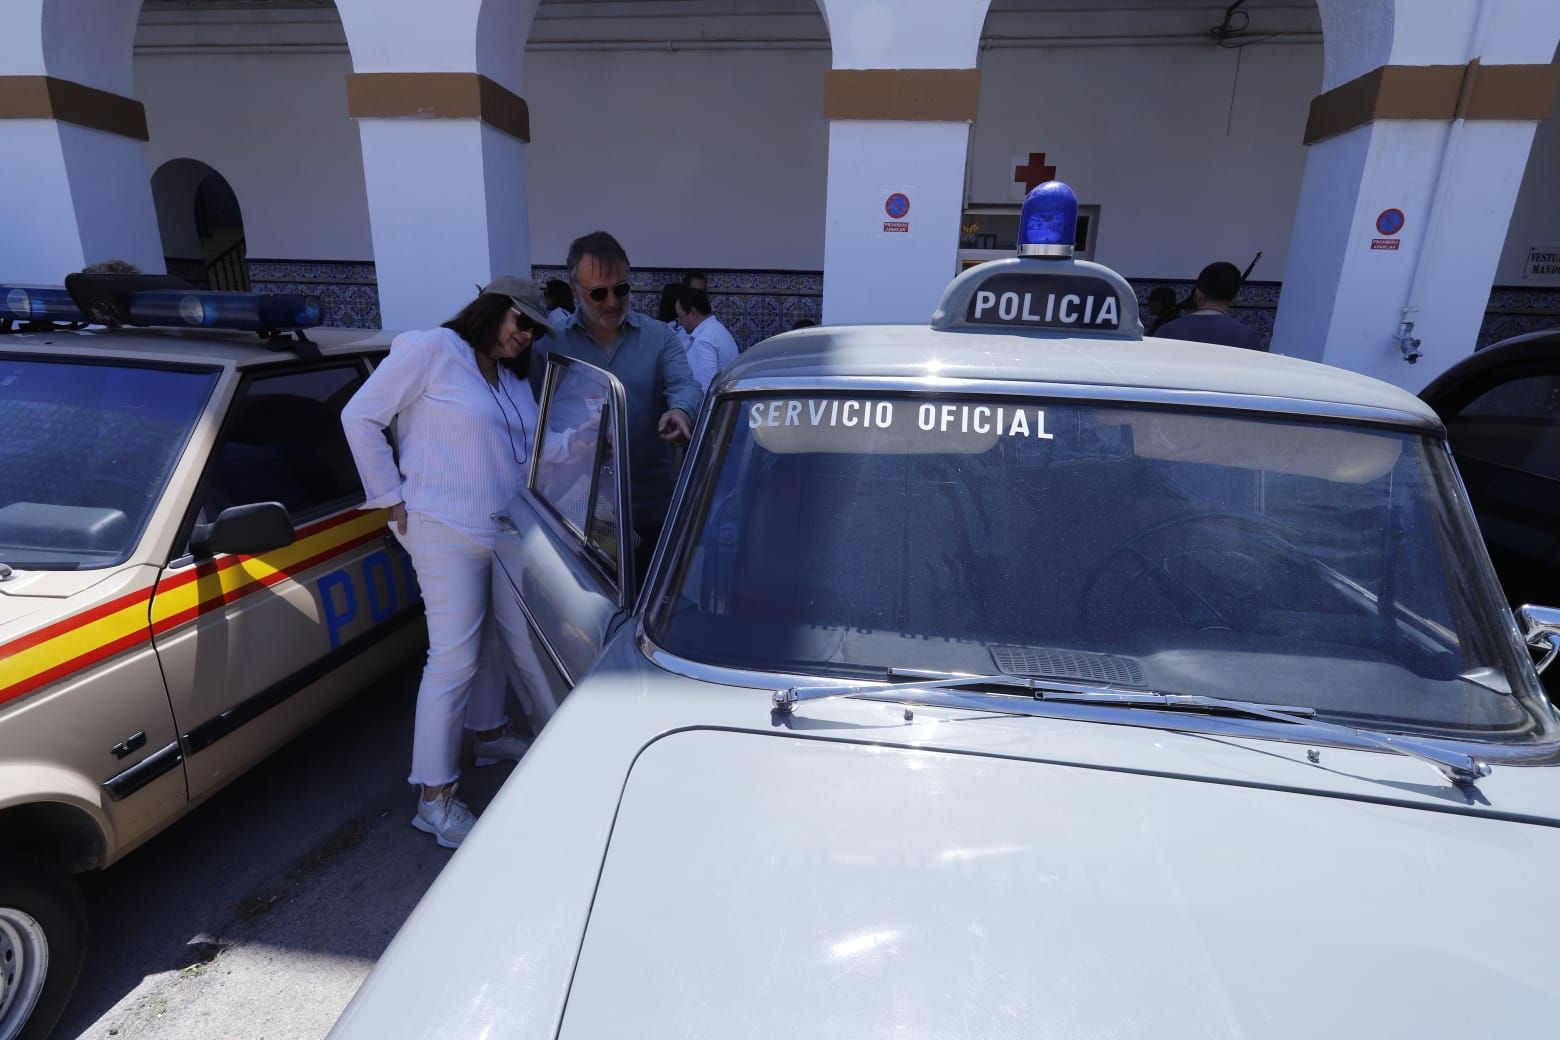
(953, 691)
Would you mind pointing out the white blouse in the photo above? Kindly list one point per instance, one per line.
(464, 445)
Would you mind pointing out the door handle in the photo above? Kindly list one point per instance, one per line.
(505, 523)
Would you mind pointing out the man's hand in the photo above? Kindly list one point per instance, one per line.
(675, 427)
(398, 516)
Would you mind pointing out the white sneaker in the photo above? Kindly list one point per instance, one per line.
(446, 818)
(506, 747)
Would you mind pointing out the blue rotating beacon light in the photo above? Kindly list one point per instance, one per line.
(1048, 223)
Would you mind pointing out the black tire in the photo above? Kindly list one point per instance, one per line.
(50, 897)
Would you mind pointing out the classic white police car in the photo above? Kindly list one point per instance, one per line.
(187, 580)
(1014, 676)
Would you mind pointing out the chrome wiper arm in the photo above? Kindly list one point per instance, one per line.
(785, 701)
(951, 691)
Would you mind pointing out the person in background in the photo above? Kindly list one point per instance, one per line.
(696, 280)
(667, 311)
(647, 359)
(560, 302)
(710, 344)
(1210, 321)
(111, 267)
(463, 421)
(1160, 309)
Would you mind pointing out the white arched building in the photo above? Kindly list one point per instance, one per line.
(1390, 159)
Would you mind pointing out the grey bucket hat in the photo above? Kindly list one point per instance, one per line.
(525, 296)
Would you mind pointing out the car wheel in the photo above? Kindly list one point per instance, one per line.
(43, 937)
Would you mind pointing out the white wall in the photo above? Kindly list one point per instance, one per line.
(1188, 162)
(276, 126)
(694, 158)
(720, 146)
(1535, 222)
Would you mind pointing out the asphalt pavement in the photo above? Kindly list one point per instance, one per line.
(259, 915)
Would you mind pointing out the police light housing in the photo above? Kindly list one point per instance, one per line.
(37, 304)
(1048, 222)
(1042, 291)
(153, 300)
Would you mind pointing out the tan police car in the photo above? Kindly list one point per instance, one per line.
(186, 582)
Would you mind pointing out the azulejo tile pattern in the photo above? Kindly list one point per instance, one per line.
(754, 305)
(1256, 304)
(348, 289)
(1514, 310)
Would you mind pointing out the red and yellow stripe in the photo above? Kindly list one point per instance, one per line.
(56, 651)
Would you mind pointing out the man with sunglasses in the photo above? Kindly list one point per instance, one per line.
(647, 359)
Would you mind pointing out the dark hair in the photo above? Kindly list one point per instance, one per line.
(111, 267)
(598, 244)
(669, 295)
(695, 300)
(803, 323)
(1219, 281)
(478, 323)
(1162, 295)
(689, 276)
(559, 294)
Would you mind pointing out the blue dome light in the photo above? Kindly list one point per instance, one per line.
(1048, 223)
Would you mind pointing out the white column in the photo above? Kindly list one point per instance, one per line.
(1349, 284)
(446, 200)
(445, 178)
(72, 193)
(880, 265)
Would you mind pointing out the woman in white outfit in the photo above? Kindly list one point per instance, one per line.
(463, 422)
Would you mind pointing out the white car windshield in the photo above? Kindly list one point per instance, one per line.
(85, 451)
(1184, 550)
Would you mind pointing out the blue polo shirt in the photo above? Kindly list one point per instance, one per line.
(653, 368)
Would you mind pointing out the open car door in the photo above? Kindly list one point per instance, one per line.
(564, 578)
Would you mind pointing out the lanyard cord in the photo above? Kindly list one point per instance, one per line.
(508, 429)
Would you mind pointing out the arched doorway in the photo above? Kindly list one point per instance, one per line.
(201, 224)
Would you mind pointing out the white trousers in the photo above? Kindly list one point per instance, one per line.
(464, 680)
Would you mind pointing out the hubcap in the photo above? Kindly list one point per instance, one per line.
(24, 964)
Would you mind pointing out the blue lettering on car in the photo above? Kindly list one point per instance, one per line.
(385, 596)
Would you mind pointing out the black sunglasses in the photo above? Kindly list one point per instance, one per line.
(620, 290)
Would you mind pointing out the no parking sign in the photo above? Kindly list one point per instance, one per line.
(896, 206)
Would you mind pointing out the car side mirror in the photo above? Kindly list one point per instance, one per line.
(1541, 629)
(255, 528)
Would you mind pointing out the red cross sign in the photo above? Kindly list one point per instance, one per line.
(1035, 173)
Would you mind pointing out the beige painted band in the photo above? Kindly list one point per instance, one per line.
(48, 97)
(918, 95)
(1435, 92)
(438, 95)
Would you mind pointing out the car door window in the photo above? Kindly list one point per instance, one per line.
(283, 442)
(1514, 423)
(579, 469)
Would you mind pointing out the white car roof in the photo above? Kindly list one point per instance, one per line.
(175, 346)
(917, 354)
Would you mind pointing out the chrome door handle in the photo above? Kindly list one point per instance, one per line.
(505, 523)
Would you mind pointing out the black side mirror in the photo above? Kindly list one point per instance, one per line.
(255, 528)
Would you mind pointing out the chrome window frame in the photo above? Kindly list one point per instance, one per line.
(620, 585)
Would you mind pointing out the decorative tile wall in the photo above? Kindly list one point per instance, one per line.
(1256, 304)
(1513, 311)
(754, 305)
(348, 289)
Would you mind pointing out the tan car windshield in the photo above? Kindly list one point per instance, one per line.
(85, 451)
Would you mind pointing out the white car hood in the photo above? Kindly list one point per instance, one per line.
(768, 886)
